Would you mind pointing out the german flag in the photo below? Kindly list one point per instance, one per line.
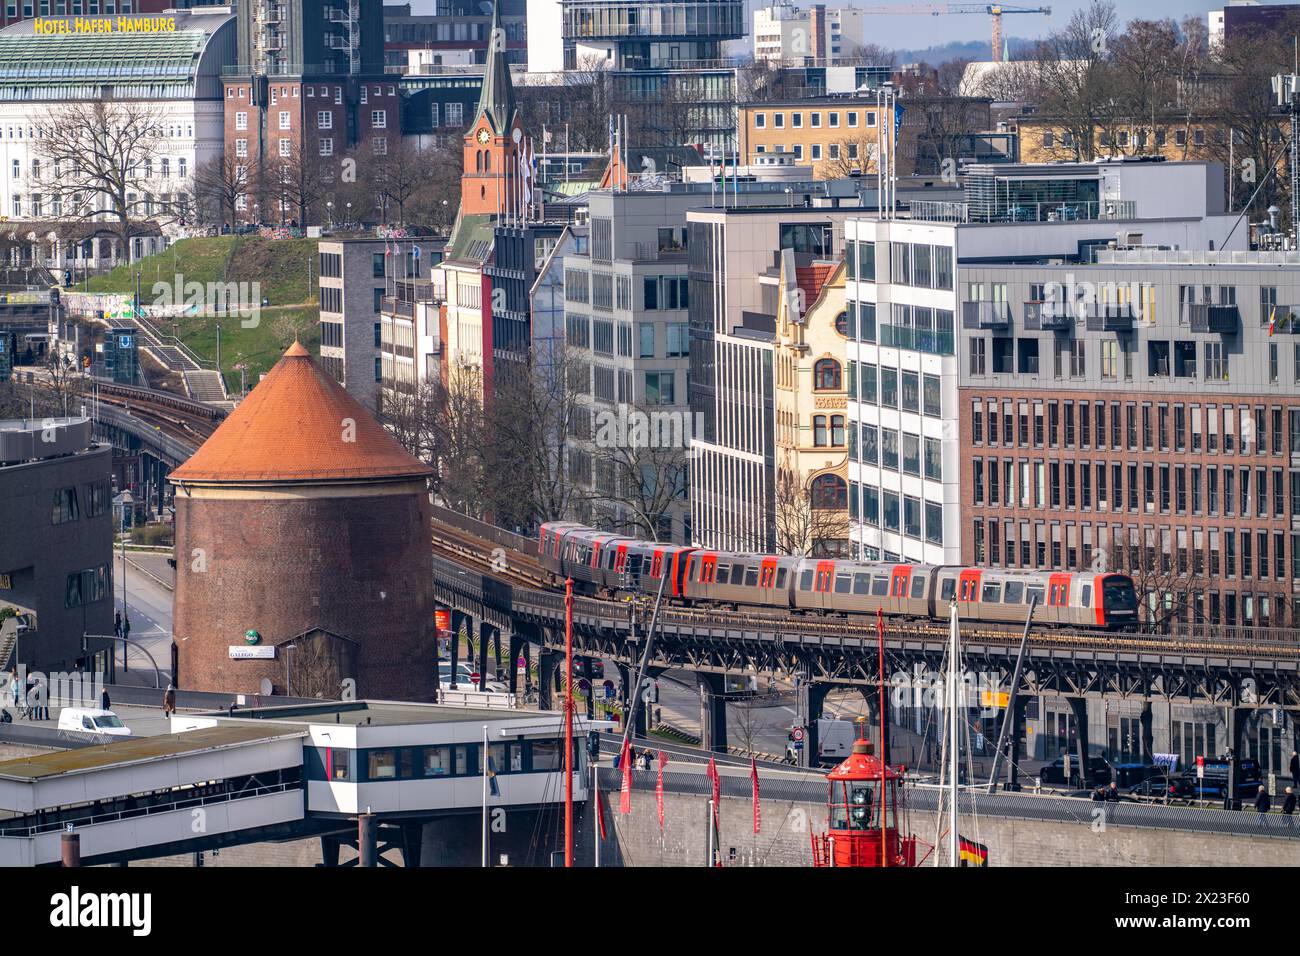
(970, 853)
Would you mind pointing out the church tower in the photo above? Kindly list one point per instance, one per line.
(490, 184)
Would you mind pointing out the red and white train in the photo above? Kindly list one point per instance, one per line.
(604, 563)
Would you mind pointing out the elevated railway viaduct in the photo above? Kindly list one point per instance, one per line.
(490, 580)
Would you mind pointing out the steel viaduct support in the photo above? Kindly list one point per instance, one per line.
(811, 700)
(713, 711)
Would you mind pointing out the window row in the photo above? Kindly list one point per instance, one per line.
(1245, 429)
(458, 760)
(890, 387)
(815, 119)
(898, 451)
(900, 513)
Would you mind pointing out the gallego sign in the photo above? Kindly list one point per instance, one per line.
(68, 26)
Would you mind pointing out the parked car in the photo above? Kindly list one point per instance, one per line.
(1129, 775)
(88, 720)
(1154, 789)
(466, 677)
(1214, 785)
(1054, 773)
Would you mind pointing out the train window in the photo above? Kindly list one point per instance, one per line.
(992, 593)
(751, 577)
(1086, 596)
(879, 585)
(918, 586)
(946, 588)
(805, 580)
(722, 574)
(900, 586)
(1034, 593)
(861, 584)
(1015, 591)
(737, 574)
(780, 578)
(843, 583)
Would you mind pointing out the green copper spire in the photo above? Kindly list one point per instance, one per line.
(498, 96)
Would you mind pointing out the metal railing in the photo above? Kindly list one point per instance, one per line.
(986, 314)
(919, 340)
(15, 826)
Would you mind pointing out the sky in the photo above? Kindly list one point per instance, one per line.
(919, 31)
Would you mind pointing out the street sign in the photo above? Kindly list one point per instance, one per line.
(1200, 768)
(609, 690)
(584, 685)
(797, 735)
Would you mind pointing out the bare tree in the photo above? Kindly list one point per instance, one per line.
(95, 161)
(297, 184)
(1075, 78)
(221, 187)
(640, 469)
(803, 526)
(457, 432)
(398, 174)
(852, 154)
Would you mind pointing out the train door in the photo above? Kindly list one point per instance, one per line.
(620, 565)
(1058, 598)
(824, 584)
(656, 566)
(968, 592)
(767, 580)
(706, 574)
(898, 584)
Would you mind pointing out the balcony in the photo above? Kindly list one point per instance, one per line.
(986, 315)
(1047, 317)
(1223, 319)
(1109, 316)
(930, 341)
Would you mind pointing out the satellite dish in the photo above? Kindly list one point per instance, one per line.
(266, 687)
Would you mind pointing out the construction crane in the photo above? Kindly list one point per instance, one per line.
(995, 12)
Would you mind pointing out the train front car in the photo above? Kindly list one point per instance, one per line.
(1118, 608)
(550, 542)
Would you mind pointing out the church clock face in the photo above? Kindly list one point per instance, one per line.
(483, 137)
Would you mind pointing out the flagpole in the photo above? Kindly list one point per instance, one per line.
(568, 722)
(884, 758)
(595, 817)
(953, 749)
(710, 863)
(485, 795)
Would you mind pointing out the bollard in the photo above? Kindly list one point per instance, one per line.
(71, 843)
(366, 839)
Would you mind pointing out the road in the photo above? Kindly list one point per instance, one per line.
(149, 607)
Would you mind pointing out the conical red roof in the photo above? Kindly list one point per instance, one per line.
(298, 424)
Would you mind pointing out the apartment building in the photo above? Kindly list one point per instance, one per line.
(784, 34)
(361, 280)
(1140, 413)
(308, 85)
(833, 134)
(911, 307)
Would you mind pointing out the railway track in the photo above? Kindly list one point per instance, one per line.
(185, 427)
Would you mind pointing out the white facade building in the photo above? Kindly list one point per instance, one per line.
(784, 34)
(172, 76)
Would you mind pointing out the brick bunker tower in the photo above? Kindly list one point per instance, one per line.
(303, 520)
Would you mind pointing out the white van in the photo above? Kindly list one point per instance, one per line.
(89, 720)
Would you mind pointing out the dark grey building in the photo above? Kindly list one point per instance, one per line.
(56, 542)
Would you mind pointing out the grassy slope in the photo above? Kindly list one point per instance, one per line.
(280, 267)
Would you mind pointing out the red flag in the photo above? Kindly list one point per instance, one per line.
(600, 816)
(717, 784)
(753, 776)
(625, 799)
(659, 788)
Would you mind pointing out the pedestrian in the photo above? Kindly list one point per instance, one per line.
(15, 691)
(1263, 803)
(1112, 793)
(169, 701)
(1288, 805)
(1295, 770)
(117, 623)
(104, 702)
(42, 700)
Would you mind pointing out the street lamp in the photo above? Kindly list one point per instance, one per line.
(349, 222)
(329, 205)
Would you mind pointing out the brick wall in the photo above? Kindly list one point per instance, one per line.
(354, 566)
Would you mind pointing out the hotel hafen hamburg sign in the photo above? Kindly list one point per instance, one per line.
(67, 26)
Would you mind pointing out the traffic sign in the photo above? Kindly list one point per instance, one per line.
(609, 690)
(584, 685)
(797, 734)
(1200, 768)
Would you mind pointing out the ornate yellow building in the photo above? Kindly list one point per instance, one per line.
(811, 408)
